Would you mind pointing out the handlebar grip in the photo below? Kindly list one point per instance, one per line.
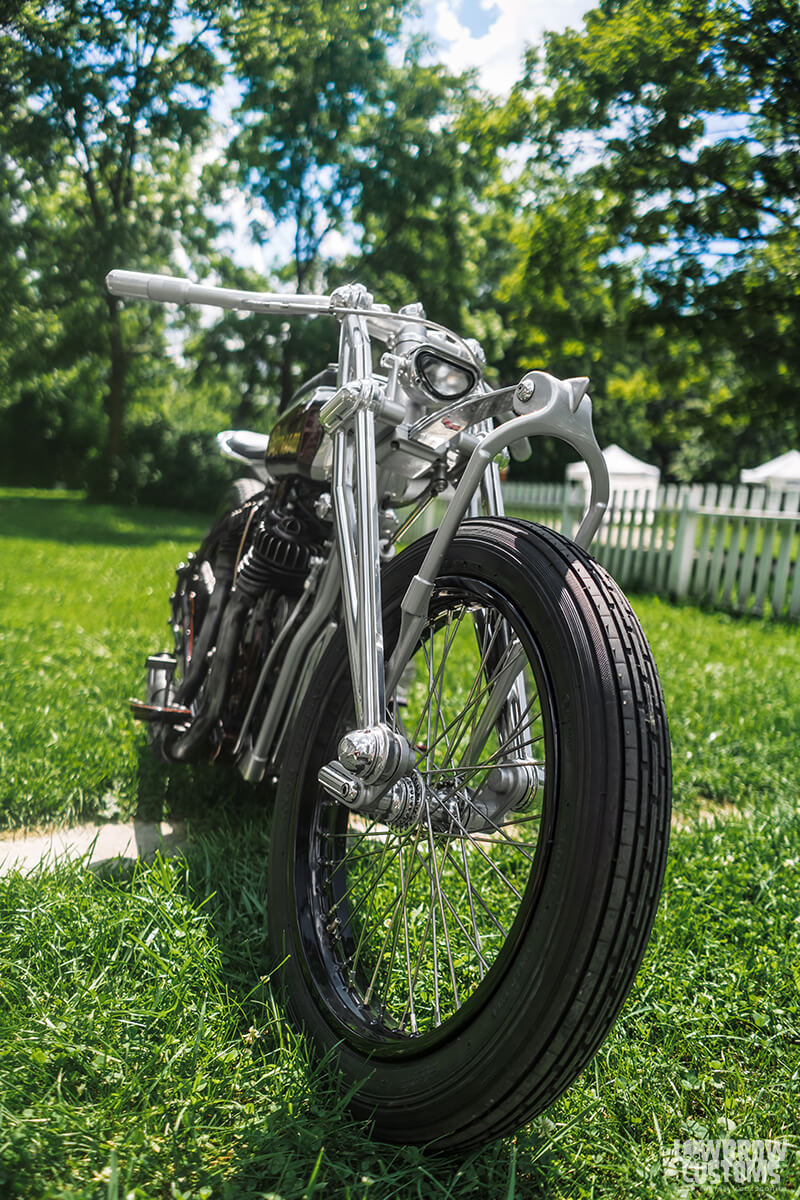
(140, 285)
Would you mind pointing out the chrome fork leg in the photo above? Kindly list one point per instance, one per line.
(355, 502)
(373, 756)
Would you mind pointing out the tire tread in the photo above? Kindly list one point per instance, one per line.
(635, 888)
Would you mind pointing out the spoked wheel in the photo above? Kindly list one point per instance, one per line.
(425, 909)
(465, 961)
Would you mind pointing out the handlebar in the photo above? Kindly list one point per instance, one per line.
(350, 299)
(171, 289)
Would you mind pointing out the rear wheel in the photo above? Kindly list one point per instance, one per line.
(464, 964)
(176, 678)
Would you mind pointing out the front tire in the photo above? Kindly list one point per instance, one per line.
(462, 980)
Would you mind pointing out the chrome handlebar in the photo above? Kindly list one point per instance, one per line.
(349, 300)
(172, 289)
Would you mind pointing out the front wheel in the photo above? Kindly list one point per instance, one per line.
(463, 964)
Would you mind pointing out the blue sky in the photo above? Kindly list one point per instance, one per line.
(492, 34)
(478, 18)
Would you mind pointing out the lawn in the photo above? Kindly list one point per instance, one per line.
(143, 1048)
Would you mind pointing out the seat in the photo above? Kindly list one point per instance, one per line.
(243, 444)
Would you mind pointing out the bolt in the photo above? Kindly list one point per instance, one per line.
(525, 390)
(412, 310)
(323, 505)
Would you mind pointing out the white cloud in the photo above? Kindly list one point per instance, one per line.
(498, 53)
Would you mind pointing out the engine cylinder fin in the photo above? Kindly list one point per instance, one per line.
(279, 555)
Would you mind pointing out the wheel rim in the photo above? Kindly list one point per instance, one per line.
(406, 931)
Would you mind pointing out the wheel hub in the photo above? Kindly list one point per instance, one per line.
(410, 800)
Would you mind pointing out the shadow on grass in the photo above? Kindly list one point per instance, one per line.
(208, 796)
(228, 822)
(70, 518)
(302, 1137)
(289, 1132)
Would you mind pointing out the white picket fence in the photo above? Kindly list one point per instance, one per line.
(735, 548)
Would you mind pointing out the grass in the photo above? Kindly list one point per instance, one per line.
(83, 598)
(143, 1047)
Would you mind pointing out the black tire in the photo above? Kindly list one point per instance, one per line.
(241, 491)
(538, 996)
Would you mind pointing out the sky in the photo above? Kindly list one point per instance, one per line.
(492, 34)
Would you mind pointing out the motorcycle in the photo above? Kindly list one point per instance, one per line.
(468, 735)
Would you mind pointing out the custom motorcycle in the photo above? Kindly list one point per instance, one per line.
(468, 735)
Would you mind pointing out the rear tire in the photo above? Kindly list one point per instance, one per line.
(462, 981)
(241, 491)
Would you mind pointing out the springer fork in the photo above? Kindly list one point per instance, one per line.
(374, 772)
(372, 756)
(374, 769)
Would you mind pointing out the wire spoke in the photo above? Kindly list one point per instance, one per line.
(382, 871)
(475, 944)
(435, 876)
(471, 705)
(404, 891)
(483, 903)
(475, 934)
(402, 904)
(418, 915)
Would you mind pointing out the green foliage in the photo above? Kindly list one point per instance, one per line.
(684, 116)
(335, 139)
(307, 78)
(421, 175)
(162, 466)
(628, 212)
(104, 106)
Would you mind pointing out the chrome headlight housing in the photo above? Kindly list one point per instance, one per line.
(443, 377)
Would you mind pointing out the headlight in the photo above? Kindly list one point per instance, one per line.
(447, 380)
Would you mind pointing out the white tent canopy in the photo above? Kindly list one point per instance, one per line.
(626, 473)
(781, 473)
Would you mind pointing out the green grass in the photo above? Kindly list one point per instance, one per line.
(83, 601)
(143, 1047)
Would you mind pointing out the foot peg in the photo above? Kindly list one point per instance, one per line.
(158, 705)
(169, 714)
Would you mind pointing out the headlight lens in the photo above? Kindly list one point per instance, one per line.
(447, 380)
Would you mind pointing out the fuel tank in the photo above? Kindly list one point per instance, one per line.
(298, 445)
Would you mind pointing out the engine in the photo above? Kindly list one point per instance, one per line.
(282, 537)
(281, 549)
(230, 604)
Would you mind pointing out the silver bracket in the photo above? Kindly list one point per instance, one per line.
(549, 406)
(400, 804)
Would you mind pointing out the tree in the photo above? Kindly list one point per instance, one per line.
(692, 105)
(307, 76)
(105, 103)
(685, 116)
(419, 183)
(312, 77)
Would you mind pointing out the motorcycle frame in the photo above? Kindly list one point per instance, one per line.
(357, 417)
